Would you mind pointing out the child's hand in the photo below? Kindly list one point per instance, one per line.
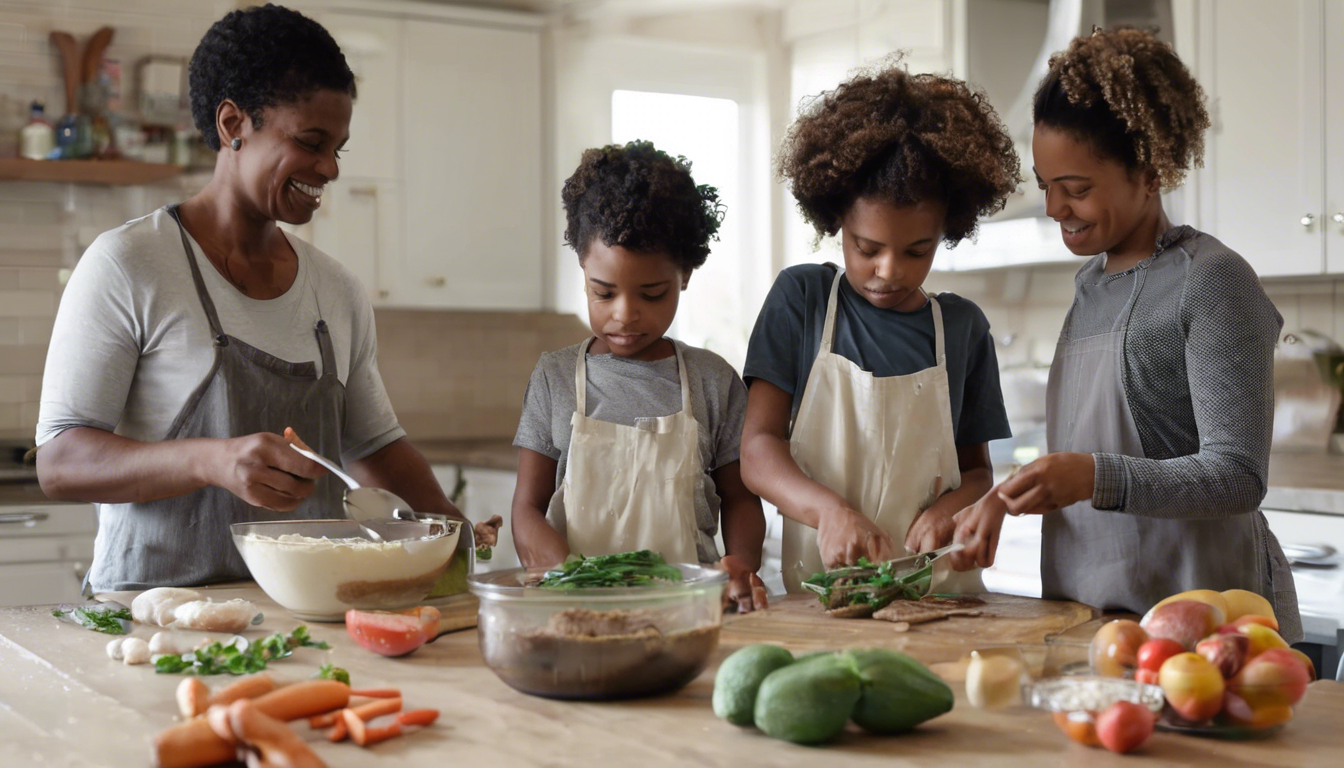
(745, 589)
(933, 528)
(978, 528)
(844, 536)
(487, 531)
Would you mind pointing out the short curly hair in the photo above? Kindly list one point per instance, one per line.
(889, 135)
(262, 57)
(1127, 94)
(640, 198)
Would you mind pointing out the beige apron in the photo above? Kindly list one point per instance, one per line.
(885, 444)
(630, 488)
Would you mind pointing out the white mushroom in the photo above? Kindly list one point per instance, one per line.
(176, 643)
(114, 648)
(135, 651)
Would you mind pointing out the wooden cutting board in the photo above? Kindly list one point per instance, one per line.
(1005, 619)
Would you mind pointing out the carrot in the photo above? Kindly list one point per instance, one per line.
(366, 736)
(305, 699)
(325, 720)
(378, 693)
(247, 688)
(376, 708)
(338, 731)
(420, 717)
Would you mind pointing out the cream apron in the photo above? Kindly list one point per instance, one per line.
(885, 444)
(630, 488)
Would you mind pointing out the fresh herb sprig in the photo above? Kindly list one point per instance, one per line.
(236, 658)
(625, 569)
(867, 584)
(110, 618)
(330, 672)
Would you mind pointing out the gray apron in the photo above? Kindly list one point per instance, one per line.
(185, 540)
(1114, 560)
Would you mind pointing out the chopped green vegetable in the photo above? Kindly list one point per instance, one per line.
(868, 584)
(329, 672)
(626, 569)
(110, 618)
(236, 658)
(484, 552)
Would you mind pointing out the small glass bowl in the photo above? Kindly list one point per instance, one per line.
(1090, 693)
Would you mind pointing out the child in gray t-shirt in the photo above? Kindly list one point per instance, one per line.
(646, 455)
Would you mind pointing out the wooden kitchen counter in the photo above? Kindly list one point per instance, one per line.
(63, 702)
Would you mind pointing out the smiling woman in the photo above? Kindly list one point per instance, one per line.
(169, 377)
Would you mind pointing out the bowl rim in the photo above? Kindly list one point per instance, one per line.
(240, 529)
(503, 585)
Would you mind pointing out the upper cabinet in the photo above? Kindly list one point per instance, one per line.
(1273, 184)
(439, 203)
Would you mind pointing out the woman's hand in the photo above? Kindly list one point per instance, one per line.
(977, 527)
(1049, 483)
(745, 589)
(933, 528)
(263, 470)
(844, 535)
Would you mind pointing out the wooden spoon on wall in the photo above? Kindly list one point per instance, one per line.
(65, 43)
(93, 53)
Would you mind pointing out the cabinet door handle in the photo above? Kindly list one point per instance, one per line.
(1338, 218)
(370, 190)
(1307, 220)
(21, 518)
(437, 282)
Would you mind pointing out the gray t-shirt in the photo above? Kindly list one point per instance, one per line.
(131, 341)
(621, 391)
(883, 342)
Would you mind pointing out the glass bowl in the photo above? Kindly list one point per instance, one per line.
(1247, 712)
(319, 569)
(601, 643)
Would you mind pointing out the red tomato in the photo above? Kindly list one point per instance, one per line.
(393, 634)
(1124, 725)
(1154, 652)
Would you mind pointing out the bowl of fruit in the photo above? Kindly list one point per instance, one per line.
(1222, 666)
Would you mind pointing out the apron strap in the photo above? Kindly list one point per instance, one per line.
(685, 380)
(207, 303)
(828, 328)
(581, 377)
(939, 352)
(324, 344)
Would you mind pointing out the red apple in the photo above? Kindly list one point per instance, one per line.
(1275, 678)
(1193, 686)
(1124, 725)
(1227, 652)
(1239, 624)
(1185, 621)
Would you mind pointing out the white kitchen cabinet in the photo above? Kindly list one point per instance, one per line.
(439, 203)
(1273, 181)
(45, 550)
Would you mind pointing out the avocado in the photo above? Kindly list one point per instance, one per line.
(740, 677)
(899, 693)
(809, 701)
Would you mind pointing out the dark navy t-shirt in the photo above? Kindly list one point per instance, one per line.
(882, 341)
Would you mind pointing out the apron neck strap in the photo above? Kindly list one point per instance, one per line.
(207, 303)
(324, 344)
(581, 377)
(828, 328)
(939, 351)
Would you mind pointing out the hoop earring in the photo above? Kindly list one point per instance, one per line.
(237, 144)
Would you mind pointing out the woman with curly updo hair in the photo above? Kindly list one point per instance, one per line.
(630, 440)
(190, 340)
(1161, 396)
(872, 402)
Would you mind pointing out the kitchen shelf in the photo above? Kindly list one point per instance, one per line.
(111, 172)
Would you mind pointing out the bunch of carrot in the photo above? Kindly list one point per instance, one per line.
(353, 721)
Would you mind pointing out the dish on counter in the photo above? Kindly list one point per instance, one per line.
(600, 642)
(319, 569)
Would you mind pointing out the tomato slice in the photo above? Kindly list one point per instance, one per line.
(393, 633)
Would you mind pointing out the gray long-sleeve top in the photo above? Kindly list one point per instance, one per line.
(1199, 378)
